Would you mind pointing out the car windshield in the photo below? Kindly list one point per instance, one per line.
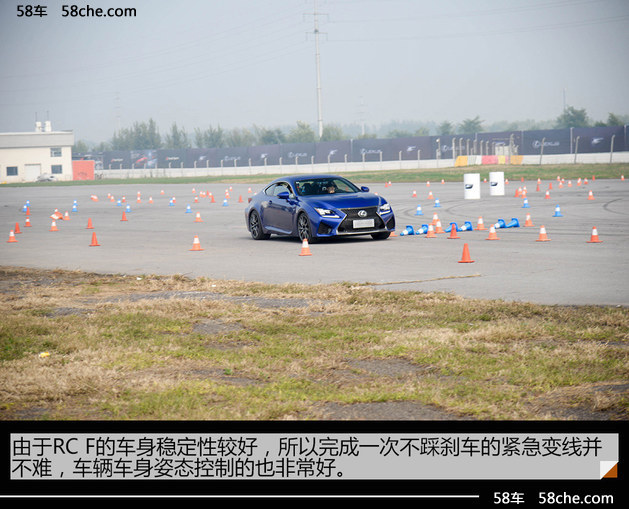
(328, 185)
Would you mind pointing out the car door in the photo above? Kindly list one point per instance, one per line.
(279, 212)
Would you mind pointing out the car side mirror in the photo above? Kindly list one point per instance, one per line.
(364, 189)
(284, 195)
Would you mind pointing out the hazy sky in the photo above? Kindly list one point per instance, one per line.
(240, 63)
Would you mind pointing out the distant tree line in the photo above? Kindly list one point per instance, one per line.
(146, 135)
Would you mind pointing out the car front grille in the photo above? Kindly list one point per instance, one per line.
(347, 225)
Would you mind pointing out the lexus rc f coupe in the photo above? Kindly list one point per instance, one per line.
(313, 207)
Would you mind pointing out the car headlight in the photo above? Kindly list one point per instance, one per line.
(326, 212)
(385, 208)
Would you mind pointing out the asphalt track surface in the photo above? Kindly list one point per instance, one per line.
(157, 238)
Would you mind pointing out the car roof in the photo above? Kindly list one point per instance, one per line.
(293, 178)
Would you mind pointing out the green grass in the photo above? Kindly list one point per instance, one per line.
(144, 359)
(512, 172)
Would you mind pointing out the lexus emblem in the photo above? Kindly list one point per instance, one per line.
(362, 213)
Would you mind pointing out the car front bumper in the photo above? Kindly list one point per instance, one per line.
(352, 224)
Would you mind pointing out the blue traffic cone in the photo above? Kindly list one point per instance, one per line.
(557, 212)
(171, 203)
(449, 228)
(409, 230)
(188, 209)
(513, 224)
(225, 204)
(500, 224)
(119, 203)
(419, 212)
(525, 205)
(437, 204)
(128, 209)
(423, 230)
(74, 207)
(467, 227)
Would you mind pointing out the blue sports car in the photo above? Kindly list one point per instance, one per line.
(312, 207)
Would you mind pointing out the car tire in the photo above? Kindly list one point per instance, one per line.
(255, 227)
(380, 236)
(304, 230)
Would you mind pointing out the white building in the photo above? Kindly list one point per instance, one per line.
(29, 156)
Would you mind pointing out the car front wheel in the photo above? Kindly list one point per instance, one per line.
(303, 228)
(255, 227)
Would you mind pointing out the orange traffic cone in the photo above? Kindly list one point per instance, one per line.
(66, 217)
(430, 196)
(196, 245)
(528, 221)
(466, 255)
(435, 218)
(414, 194)
(53, 227)
(594, 237)
(492, 233)
(124, 216)
(438, 228)
(430, 234)
(89, 224)
(27, 223)
(17, 228)
(480, 225)
(240, 199)
(212, 196)
(543, 237)
(94, 240)
(453, 233)
(590, 195)
(198, 218)
(305, 250)
(547, 197)
(12, 237)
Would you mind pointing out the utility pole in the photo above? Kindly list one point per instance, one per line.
(315, 15)
(117, 111)
(361, 115)
(564, 100)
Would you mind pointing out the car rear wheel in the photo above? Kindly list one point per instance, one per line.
(255, 227)
(303, 228)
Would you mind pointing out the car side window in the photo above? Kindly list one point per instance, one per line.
(282, 188)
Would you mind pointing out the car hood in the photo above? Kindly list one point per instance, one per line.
(344, 201)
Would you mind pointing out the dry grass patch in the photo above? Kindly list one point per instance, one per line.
(152, 347)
